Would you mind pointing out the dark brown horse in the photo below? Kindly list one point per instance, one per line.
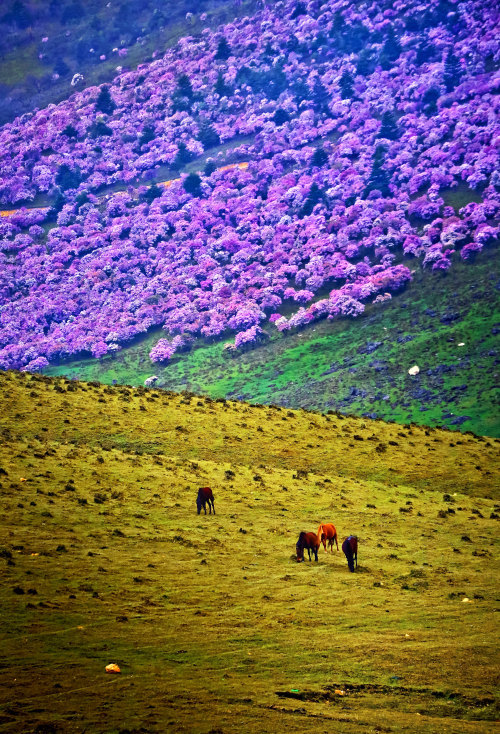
(309, 541)
(327, 532)
(205, 495)
(350, 548)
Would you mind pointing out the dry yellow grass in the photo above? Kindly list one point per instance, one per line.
(214, 625)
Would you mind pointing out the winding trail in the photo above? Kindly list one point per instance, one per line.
(166, 184)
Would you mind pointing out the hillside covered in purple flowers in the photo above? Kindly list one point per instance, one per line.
(358, 121)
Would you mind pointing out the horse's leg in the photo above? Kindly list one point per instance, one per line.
(309, 553)
(336, 541)
(316, 553)
(213, 506)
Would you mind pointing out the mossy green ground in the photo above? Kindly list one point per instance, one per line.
(214, 625)
(326, 366)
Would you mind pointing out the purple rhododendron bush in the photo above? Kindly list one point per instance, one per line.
(354, 119)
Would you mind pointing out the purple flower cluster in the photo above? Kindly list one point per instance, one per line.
(330, 198)
(250, 337)
(164, 349)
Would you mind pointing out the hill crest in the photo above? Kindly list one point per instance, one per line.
(154, 422)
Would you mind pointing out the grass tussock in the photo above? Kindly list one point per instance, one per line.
(214, 625)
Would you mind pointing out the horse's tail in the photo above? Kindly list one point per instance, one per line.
(319, 534)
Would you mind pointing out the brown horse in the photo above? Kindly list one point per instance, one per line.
(205, 495)
(350, 548)
(327, 532)
(309, 541)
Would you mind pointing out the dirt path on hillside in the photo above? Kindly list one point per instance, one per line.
(166, 184)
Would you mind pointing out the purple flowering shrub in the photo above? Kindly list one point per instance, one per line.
(348, 160)
(36, 365)
(250, 337)
(162, 351)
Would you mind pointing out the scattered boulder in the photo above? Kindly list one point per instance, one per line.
(449, 317)
(369, 347)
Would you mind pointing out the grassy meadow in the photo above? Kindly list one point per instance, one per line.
(214, 625)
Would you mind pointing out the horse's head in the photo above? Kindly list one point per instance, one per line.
(300, 547)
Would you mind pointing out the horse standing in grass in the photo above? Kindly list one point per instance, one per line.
(350, 548)
(309, 541)
(327, 532)
(205, 495)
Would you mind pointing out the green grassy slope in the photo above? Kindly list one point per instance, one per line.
(330, 365)
(213, 623)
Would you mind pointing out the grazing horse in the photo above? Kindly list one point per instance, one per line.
(327, 532)
(205, 495)
(311, 542)
(350, 548)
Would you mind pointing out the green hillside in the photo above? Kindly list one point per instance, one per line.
(358, 366)
(214, 625)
